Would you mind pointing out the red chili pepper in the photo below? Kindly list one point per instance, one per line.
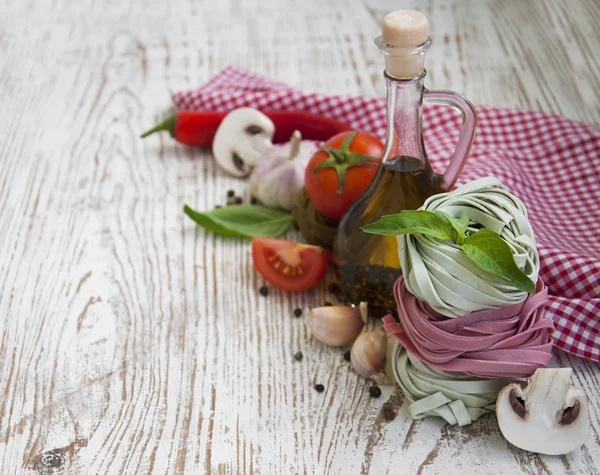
(198, 128)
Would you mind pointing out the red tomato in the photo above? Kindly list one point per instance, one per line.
(289, 265)
(334, 183)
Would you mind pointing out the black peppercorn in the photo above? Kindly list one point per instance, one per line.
(375, 391)
(347, 356)
(328, 304)
(253, 200)
(231, 193)
(264, 291)
(218, 206)
(238, 200)
(332, 287)
(298, 356)
(388, 412)
(298, 312)
(320, 388)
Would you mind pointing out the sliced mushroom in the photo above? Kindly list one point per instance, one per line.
(242, 139)
(546, 416)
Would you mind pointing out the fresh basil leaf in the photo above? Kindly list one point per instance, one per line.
(243, 220)
(487, 249)
(411, 222)
(458, 225)
(205, 220)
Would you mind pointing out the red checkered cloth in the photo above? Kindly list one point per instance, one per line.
(551, 163)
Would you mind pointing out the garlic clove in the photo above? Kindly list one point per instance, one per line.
(387, 375)
(364, 311)
(368, 355)
(335, 325)
(382, 378)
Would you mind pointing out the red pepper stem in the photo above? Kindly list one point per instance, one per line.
(168, 125)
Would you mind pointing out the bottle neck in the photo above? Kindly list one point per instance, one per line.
(404, 119)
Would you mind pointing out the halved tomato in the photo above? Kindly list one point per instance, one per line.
(289, 265)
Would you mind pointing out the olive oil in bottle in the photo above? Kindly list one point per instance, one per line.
(367, 265)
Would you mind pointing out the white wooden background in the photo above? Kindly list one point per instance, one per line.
(132, 341)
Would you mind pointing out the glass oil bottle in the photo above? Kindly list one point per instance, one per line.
(367, 265)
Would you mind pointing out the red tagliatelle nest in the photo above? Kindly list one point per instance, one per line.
(508, 342)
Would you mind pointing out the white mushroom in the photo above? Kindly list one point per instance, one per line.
(242, 139)
(546, 416)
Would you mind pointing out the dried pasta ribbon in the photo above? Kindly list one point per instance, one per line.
(443, 276)
(457, 398)
(509, 342)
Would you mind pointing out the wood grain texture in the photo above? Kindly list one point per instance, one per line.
(132, 341)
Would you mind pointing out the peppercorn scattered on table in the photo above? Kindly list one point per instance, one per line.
(131, 340)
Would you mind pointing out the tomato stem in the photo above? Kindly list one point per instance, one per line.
(342, 159)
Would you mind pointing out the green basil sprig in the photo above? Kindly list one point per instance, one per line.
(411, 222)
(484, 247)
(459, 226)
(243, 220)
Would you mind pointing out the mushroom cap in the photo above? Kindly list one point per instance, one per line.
(548, 416)
(242, 139)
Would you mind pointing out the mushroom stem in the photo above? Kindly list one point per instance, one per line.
(548, 416)
(295, 140)
(546, 392)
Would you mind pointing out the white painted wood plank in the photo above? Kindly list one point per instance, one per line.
(133, 342)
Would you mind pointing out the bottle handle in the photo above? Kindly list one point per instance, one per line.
(467, 131)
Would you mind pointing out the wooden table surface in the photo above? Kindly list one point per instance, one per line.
(133, 342)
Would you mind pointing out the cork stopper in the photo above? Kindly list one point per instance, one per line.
(405, 28)
(404, 38)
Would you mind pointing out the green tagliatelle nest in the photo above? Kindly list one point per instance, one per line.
(458, 398)
(441, 274)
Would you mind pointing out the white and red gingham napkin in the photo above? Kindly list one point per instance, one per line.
(551, 163)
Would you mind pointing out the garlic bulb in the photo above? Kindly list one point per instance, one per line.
(336, 325)
(368, 356)
(278, 177)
